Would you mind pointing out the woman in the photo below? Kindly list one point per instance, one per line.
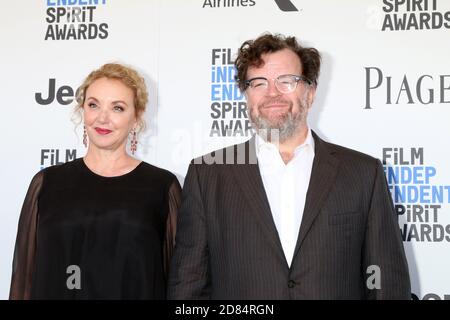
(102, 226)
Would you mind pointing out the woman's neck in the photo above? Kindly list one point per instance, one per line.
(109, 162)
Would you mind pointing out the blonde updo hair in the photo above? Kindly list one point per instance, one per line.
(128, 76)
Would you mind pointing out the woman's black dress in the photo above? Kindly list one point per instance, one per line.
(85, 236)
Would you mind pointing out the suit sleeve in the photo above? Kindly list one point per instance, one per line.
(189, 268)
(26, 241)
(384, 261)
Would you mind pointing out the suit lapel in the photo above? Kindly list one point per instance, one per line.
(248, 178)
(323, 175)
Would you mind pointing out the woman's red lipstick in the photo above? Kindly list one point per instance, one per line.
(102, 131)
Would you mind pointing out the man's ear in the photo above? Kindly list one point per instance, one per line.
(311, 95)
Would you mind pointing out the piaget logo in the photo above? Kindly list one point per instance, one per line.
(404, 89)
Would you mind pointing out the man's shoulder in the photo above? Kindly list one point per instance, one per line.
(349, 156)
(347, 152)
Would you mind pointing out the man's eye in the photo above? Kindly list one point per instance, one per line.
(258, 84)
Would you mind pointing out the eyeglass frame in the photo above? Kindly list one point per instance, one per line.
(296, 77)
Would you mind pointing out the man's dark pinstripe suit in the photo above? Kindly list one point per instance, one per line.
(227, 245)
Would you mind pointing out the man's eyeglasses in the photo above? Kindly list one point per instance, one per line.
(285, 83)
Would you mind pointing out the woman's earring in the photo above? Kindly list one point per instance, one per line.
(133, 142)
(84, 136)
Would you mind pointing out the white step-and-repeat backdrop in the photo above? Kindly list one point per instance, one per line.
(384, 89)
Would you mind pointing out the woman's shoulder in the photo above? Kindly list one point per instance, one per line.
(63, 170)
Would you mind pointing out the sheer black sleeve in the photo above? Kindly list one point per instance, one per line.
(25, 248)
(174, 201)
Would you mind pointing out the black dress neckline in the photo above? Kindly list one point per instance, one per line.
(92, 173)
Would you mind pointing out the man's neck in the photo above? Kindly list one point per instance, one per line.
(287, 147)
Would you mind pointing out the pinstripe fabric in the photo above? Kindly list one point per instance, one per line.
(227, 246)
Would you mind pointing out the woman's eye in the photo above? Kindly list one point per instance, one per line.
(92, 105)
(118, 108)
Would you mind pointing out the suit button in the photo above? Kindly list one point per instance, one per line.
(291, 284)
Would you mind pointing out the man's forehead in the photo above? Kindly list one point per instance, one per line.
(278, 60)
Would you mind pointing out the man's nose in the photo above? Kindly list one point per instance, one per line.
(272, 89)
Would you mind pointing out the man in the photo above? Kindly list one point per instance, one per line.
(286, 215)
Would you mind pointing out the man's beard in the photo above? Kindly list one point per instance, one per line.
(284, 126)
